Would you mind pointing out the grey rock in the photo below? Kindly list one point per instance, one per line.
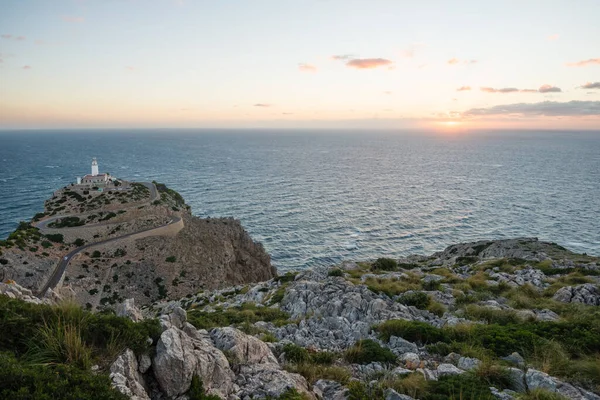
(506, 394)
(515, 358)
(452, 358)
(126, 378)
(175, 362)
(401, 371)
(448, 369)
(587, 293)
(144, 363)
(173, 317)
(411, 360)
(129, 310)
(246, 348)
(400, 346)
(468, 363)
(429, 374)
(268, 380)
(330, 390)
(391, 394)
(539, 380)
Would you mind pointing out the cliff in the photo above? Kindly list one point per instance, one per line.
(134, 241)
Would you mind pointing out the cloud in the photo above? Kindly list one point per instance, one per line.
(342, 57)
(307, 67)
(549, 89)
(503, 90)
(545, 108)
(463, 88)
(387, 92)
(287, 113)
(591, 85)
(26, 66)
(262, 105)
(410, 51)
(130, 68)
(542, 89)
(454, 61)
(553, 37)
(6, 36)
(584, 62)
(68, 18)
(13, 37)
(368, 63)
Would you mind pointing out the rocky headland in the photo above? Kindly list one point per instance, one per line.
(503, 319)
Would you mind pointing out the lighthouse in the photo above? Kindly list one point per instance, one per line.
(94, 167)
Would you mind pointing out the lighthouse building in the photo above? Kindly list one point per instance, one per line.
(94, 178)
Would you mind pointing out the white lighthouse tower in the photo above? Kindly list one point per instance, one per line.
(94, 167)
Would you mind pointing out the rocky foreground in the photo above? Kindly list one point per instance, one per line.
(492, 319)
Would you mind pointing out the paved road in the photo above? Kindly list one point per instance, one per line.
(64, 261)
(154, 195)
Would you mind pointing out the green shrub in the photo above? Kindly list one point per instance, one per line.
(197, 392)
(432, 285)
(79, 242)
(295, 354)
(287, 277)
(52, 382)
(96, 254)
(366, 351)
(541, 394)
(46, 244)
(247, 312)
(358, 390)
(56, 238)
(335, 272)
(417, 299)
(171, 259)
(413, 331)
(323, 357)
(385, 264)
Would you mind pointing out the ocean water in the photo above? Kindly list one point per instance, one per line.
(319, 197)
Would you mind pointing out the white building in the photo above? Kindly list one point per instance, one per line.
(94, 177)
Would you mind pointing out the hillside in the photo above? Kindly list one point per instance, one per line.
(137, 240)
(486, 320)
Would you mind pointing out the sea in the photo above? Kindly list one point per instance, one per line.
(319, 197)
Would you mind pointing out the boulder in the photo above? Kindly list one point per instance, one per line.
(268, 380)
(247, 349)
(173, 317)
(175, 362)
(330, 390)
(448, 369)
(400, 346)
(539, 380)
(585, 294)
(391, 394)
(515, 358)
(517, 379)
(129, 310)
(468, 363)
(144, 363)
(126, 378)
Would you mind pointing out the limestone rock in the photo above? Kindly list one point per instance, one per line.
(586, 294)
(400, 346)
(517, 379)
(537, 379)
(330, 390)
(247, 349)
(448, 369)
(468, 363)
(268, 380)
(391, 394)
(175, 362)
(144, 363)
(515, 358)
(129, 310)
(126, 378)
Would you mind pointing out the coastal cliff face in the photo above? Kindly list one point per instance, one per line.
(141, 242)
(507, 319)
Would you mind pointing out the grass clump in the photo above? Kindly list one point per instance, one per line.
(247, 312)
(541, 394)
(196, 391)
(295, 353)
(417, 299)
(335, 272)
(367, 351)
(412, 331)
(385, 264)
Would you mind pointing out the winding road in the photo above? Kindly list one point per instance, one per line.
(64, 261)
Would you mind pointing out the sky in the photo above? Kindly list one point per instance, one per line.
(430, 64)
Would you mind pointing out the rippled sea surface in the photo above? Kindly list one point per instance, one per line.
(318, 197)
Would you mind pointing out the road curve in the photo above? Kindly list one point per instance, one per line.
(64, 261)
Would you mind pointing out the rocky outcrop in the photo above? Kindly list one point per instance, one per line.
(126, 378)
(246, 349)
(129, 310)
(175, 362)
(587, 293)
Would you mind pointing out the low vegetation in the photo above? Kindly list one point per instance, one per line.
(246, 313)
